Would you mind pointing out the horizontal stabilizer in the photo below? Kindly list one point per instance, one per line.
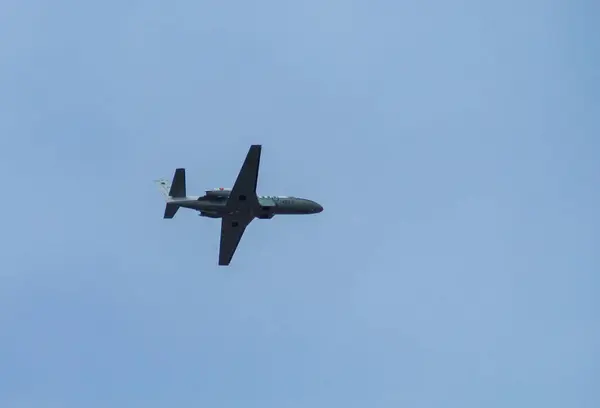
(170, 210)
(178, 189)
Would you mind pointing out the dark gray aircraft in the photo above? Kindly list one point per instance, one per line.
(237, 206)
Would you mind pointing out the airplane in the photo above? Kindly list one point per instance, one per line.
(237, 207)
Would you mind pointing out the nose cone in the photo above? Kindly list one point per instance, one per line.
(317, 207)
(310, 206)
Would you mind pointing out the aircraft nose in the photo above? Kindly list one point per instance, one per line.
(311, 207)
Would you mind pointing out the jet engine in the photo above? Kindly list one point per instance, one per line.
(209, 215)
(218, 192)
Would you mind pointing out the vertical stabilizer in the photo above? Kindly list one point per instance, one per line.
(176, 189)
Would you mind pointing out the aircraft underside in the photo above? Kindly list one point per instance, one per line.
(236, 207)
(265, 214)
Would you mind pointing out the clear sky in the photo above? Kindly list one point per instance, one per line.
(453, 144)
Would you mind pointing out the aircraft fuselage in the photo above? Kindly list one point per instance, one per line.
(236, 207)
(215, 207)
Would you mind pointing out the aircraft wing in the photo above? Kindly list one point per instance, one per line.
(232, 229)
(243, 192)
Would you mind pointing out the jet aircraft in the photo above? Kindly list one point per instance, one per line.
(237, 207)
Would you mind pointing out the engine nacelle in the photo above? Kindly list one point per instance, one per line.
(209, 215)
(218, 192)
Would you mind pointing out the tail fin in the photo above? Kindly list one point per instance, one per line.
(176, 189)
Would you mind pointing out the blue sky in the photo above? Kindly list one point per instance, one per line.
(453, 144)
